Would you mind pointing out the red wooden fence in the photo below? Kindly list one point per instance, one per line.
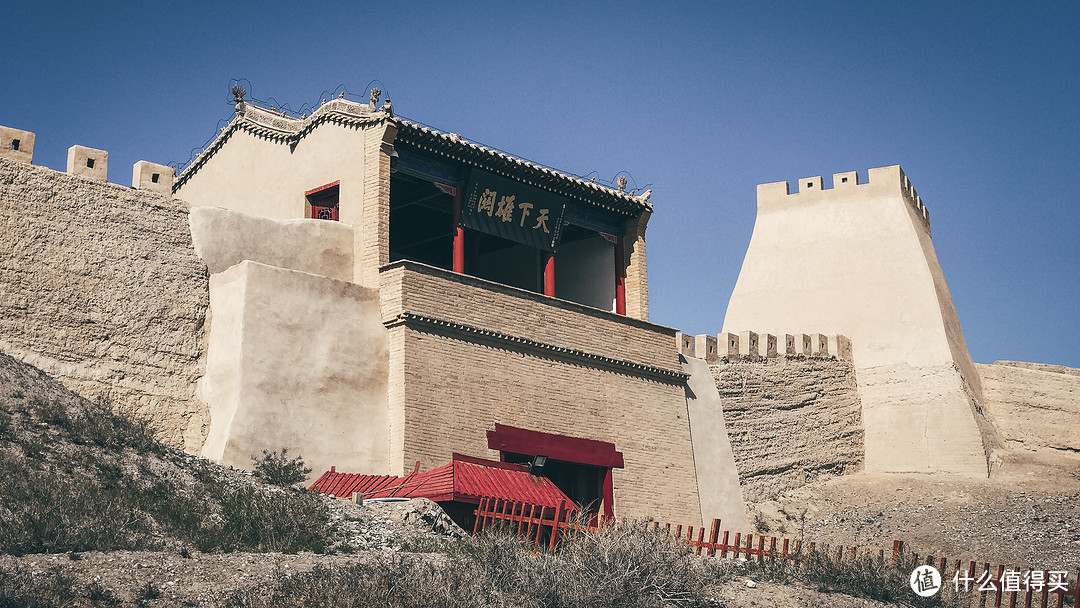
(550, 527)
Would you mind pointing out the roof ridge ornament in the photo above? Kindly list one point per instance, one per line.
(376, 92)
(621, 181)
(238, 93)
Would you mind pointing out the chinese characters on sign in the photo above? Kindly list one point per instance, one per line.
(512, 210)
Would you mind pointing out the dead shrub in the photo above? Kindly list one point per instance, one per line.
(619, 566)
(278, 469)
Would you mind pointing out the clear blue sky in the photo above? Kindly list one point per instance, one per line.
(977, 101)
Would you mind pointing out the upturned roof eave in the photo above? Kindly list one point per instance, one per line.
(288, 130)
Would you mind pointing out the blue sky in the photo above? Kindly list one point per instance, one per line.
(699, 101)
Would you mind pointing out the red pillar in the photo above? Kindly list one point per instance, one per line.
(459, 235)
(620, 278)
(549, 274)
(609, 497)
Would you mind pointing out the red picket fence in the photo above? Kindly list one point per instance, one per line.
(543, 524)
(549, 527)
(1039, 585)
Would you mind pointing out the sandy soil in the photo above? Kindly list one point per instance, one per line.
(1027, 514)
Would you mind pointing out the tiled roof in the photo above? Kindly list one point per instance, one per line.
(463, 479)
(286, 129)
(451, 144)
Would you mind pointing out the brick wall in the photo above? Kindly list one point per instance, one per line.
(456, 383)
(637, 273)
(423, 290)
(373, 229)
(100, 287)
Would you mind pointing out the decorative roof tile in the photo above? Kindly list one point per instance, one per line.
(288, 130)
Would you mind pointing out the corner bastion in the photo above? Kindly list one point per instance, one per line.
(857, 260)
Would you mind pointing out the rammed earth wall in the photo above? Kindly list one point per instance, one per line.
(791, 421)
(100, 287)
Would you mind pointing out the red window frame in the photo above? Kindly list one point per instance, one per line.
(323, 201)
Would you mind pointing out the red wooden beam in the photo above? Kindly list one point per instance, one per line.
(609, 496)
(321, 188)
(557, 447)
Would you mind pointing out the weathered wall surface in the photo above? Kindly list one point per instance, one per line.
(100, 287)
(1034, 406)
(449, 385)
(717, 474)
(224, 238)
(791, 421)
(296, 360)
(857, 260)
(921, 419)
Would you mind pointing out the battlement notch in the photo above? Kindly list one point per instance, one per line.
(89, 163)
(881, 181)
(146, 175)
(756, 346)
(16, 144)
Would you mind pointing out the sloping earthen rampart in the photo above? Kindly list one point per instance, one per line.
(1034, 406)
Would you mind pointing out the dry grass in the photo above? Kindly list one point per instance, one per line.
(865, 576)
(628, 567)
(76, 477)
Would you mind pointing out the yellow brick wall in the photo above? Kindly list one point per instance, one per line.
(457, 384)
(637, 274)
(423, 290)
(372, 248)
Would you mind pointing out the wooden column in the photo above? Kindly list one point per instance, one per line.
(549, 274)
(620, 277)
(459, 235)
(609, 496)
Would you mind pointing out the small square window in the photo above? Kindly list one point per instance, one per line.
(323, 202)
(14, 144)
(843, 180)
(154, 177)
(89, 163)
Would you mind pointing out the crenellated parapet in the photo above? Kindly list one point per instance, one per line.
(882, 181)
(755, 346)
(88, 163)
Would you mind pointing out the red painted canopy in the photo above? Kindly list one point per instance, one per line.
(463, 479)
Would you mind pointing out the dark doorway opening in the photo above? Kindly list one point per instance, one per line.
(584, 484)
(581, 468)
(420, 221)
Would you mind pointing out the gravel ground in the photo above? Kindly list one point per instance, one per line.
(1026, 515)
